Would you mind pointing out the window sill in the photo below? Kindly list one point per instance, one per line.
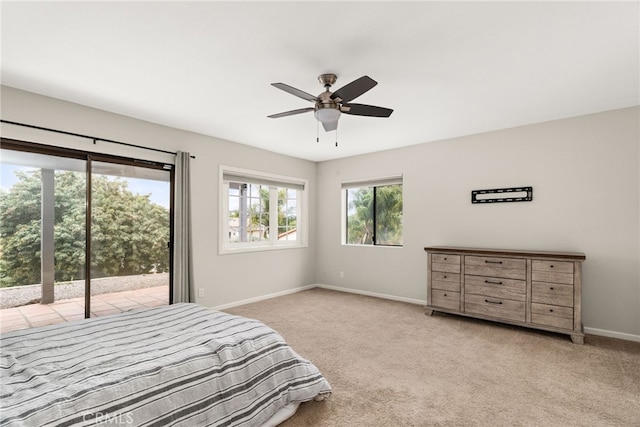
(248, 249)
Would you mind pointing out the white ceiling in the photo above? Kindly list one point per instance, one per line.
(447, 68)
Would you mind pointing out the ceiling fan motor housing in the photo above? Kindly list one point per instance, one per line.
(326, 110)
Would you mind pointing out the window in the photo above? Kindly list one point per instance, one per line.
(373, 212)
(261, 211)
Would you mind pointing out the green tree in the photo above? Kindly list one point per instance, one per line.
(287, 211)
(20, 231)
(387, 212)
(258, 217)
(360, 217)
(129, 232)
(69, 226)
(389, 215)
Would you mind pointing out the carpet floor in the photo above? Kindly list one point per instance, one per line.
(391, 365)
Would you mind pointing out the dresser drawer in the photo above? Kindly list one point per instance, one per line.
(445, 299)
(552, 271)
(445, 285)
(552, 315)
(552, 277)
(445, 263)
(446, 258)
(552, 266)
(445, 277)
(495, 287)
(552, 293)
(495, 307)
(511, 268)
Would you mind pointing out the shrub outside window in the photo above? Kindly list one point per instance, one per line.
(373, 212)
(261, 211)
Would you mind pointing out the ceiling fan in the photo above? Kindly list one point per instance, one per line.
(330, 105)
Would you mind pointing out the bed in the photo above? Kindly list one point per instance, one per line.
(176, 365)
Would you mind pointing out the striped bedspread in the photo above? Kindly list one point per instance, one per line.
(181, 365)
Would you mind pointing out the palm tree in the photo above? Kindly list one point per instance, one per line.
(360, 218)
(258, 218)
(388, 215)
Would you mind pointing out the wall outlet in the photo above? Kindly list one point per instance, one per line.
(200, 292)
(342, 274)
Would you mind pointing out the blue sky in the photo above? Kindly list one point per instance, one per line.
(159, 190)
(8, 176)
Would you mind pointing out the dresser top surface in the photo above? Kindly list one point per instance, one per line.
(574, 256)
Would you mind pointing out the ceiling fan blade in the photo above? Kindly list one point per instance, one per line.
(291, 113)
(330, 126)
(366, 110)
(293, 91)
(354, 89)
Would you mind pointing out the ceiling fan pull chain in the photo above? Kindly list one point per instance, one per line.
(336, 137)
(317, 131)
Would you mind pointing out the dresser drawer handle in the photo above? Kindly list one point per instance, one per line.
(493, 283)
(551, 310)
(492, 262)
(551, 288)
(551, 266)
(492, 302)
(445, 295)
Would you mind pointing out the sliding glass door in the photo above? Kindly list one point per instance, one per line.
(56, 262)
(129, 237)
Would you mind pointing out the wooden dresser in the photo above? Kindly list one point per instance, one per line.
(541, 290)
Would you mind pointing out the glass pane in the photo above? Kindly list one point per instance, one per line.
(129, 238)
(287, 214)
(360, 216)
(248, 212)
(234, 211)
(389, 215)
(42, 223)
(258, 213)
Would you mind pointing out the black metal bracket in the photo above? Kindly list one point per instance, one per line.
(501, 195)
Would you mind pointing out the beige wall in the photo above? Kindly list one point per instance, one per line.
(584, 172)
(227, 278)
(585, 177)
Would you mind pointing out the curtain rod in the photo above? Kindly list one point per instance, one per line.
(95, 139)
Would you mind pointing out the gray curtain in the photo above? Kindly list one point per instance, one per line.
(183, 286)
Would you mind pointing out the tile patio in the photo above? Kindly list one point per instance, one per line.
(33, 315)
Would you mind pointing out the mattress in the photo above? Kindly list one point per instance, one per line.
(176, 365)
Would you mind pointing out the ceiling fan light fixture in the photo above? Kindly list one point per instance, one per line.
(327, 115)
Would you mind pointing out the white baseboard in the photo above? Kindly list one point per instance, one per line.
(587, 330)
(612, 334)
(373, 294)
(263, 297)
(591, 331)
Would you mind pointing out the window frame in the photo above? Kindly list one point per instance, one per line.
(369, 183)
(273, 182)
(89, 157)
